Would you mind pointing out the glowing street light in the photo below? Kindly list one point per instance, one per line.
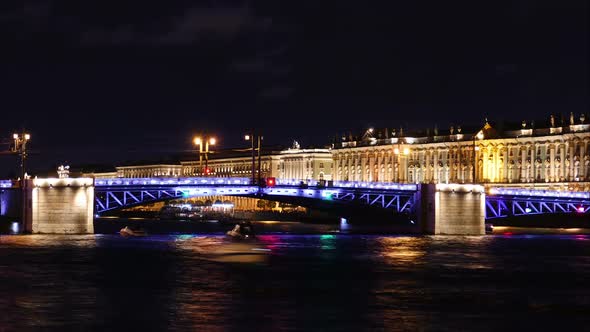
(478, 136)
(20, 147)
(251, 137)
(204, 150)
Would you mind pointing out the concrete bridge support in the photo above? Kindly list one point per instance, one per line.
(451, 209)
(61, 206)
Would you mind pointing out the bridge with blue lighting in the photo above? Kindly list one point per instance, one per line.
(67, 205)
(116, 193)
(506, 202)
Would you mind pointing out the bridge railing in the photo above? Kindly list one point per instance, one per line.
(539, 193)
(376, 185)
(171, 181)
(105, 182)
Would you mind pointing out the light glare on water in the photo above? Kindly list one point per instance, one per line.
(293, 282)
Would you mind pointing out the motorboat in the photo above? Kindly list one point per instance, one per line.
(241, 231)
(489, 228)
(126, 231)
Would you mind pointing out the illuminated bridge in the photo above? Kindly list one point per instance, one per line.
(113, 194)
(68, 205)
(116, 193)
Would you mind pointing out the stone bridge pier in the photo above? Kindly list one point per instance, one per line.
(60, 206)
(451, 209)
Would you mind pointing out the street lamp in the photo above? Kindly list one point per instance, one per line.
(251, 138)
(479, 136)
(204, 150)
(20, 147)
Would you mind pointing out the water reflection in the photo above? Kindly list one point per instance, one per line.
(299, 282)
(400, 250)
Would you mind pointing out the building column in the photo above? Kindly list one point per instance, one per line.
(562, 169)
(583, 161)
(435, 173)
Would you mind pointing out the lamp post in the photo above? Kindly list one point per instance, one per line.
(20, 147)
(396, 163)
(251, 138)
(479, 136)
(204, 150)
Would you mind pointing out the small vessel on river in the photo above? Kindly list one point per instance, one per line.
(126, 231)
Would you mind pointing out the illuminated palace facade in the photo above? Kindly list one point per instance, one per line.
(293, 163)
(550, 155)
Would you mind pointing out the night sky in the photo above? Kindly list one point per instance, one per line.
(107, 82)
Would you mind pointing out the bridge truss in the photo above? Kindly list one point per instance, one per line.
(111, 198)
(507, 206)
(111, 194)
(398, 201)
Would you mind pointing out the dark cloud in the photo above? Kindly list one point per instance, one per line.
(143, 73)
(27, 12)
(189, 26)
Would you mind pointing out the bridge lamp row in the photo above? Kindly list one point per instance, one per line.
(63, 182)
(460, 187)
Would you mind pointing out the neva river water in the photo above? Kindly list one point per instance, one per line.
(312, 282)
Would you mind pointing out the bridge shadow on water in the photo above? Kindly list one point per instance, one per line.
(157, 226)
(565, 220)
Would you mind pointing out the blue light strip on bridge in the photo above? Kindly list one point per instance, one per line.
(376, 185)
(170, 181)
(246, 181)
(539, 193)
(5, 183)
